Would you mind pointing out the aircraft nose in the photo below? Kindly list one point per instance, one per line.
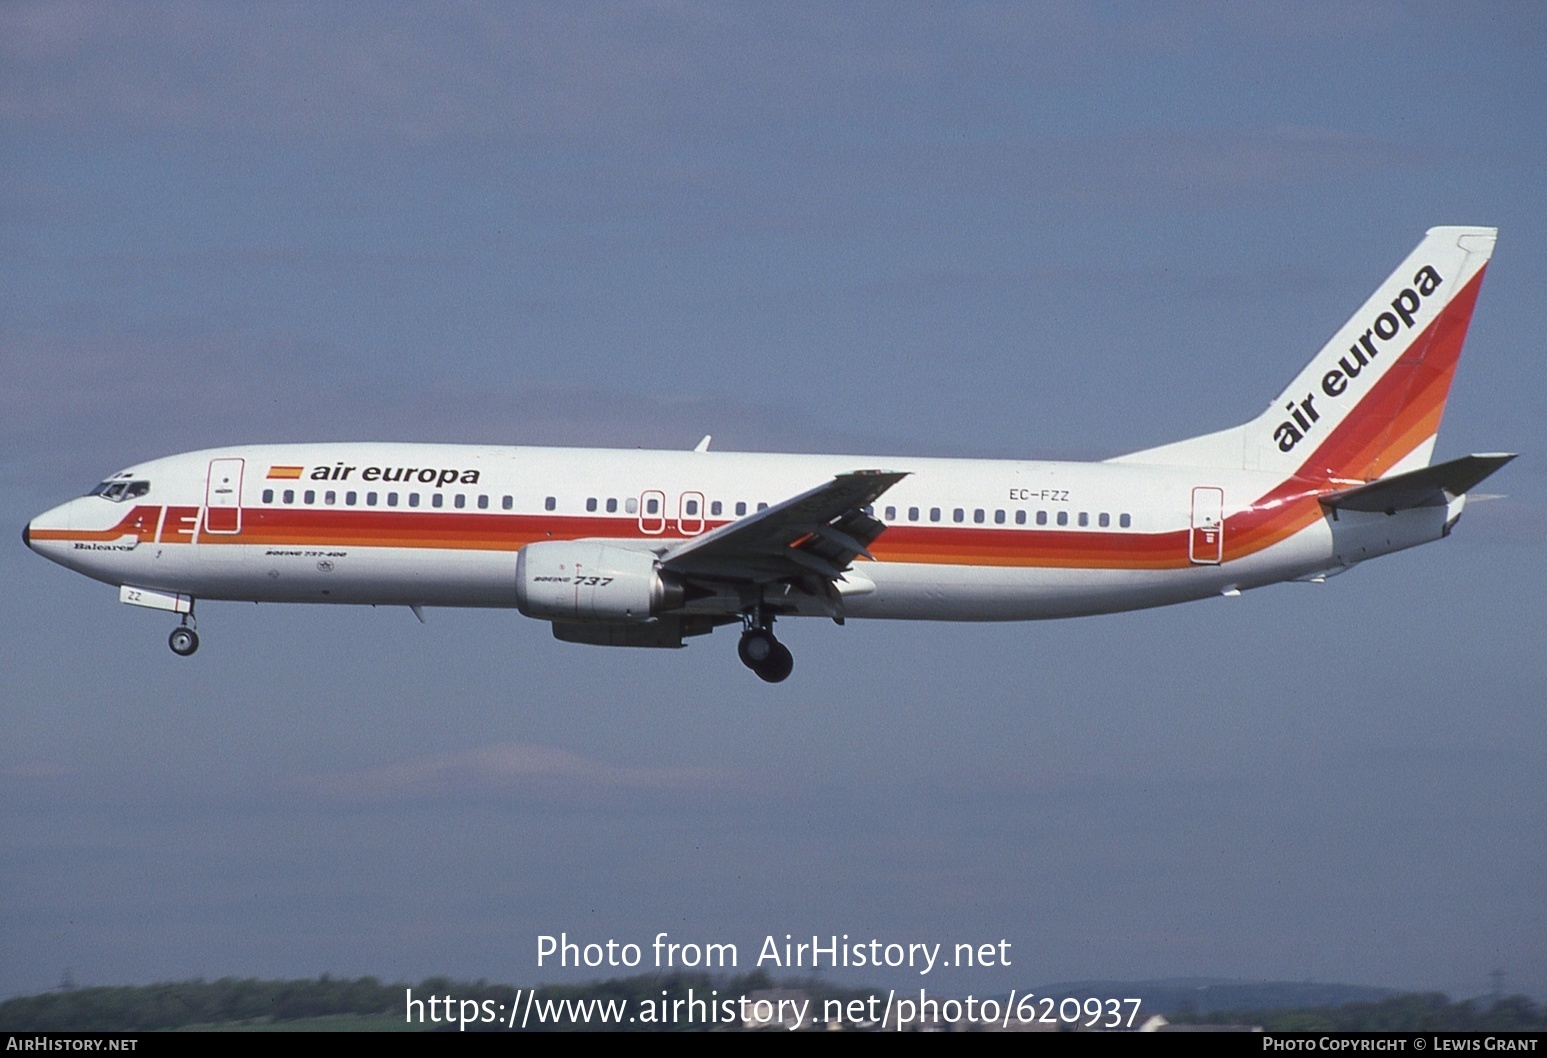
(38, 534)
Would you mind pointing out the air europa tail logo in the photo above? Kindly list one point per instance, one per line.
(439, 477)
(1303, 415)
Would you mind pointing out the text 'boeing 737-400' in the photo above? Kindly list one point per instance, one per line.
(646, 549)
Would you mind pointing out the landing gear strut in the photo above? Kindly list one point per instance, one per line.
(184, 640)
(761, 652)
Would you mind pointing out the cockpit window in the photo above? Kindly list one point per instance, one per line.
(119, 491)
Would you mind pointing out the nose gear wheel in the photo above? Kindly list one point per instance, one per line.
(184, 640)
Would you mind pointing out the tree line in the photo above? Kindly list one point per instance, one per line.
(1418, 1012)
(149, 1008)
(234, 1001)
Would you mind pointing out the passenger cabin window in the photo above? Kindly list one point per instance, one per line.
(330, 498)
(934, 514)
(1124, 521)
(1084, 519)
(913, 514)
(551, 503)
(891, 514)
(413, 499)
(350, 498)
(741, 508)
(1020, 517)
(631, 506)
(590, 504)
(268, 495)
(310, 496)
(999, 517)
(507, 502)
(692, 507)
(652, 506)
(612, 506)
(483, 502)
(459, 501)
(977, 516)
(1104, 520)
(1063, 517)
(437, 500)
(391, 499)
(290, 495)
(370, 499)
(1041, 517)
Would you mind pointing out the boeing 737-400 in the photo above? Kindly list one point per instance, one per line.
(646, 549)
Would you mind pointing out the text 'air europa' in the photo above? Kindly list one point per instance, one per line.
(1303, 414)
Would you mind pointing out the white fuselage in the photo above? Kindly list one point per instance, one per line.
(441, 525)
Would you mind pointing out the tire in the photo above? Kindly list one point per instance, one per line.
(756, 647)
(183, 641)
(778, 666)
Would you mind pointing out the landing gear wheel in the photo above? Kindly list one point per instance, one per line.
(756, 647)
(183, 641)
(778, 667)
(765, 655)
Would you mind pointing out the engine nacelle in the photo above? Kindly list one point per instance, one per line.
(588, 580)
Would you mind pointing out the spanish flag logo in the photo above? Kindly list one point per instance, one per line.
(285, 473)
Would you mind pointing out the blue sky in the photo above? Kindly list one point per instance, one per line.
(1060, 230)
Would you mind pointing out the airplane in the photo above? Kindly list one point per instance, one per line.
(650, 548)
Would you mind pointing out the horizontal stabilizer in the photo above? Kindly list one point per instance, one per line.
(1432, 486)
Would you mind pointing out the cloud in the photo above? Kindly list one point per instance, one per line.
(100, 398)
(38, 769)
(644, 72)
(1172, 167)
(91, 402)
(520, 770)
(1072, 35)
(469, 72)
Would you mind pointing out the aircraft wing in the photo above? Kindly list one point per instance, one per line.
(818, 532)
(1432, 486)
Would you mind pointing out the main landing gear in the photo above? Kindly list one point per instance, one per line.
(761, 652)
(184, 640)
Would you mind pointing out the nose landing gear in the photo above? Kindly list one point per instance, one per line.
(183, 640)
(761, 652)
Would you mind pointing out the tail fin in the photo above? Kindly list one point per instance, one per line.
(1370, 402)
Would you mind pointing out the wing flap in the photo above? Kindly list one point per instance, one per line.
(821, 531)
